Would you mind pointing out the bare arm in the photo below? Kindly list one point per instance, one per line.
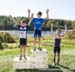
(29, 14)
(47, 13)
(30, 20)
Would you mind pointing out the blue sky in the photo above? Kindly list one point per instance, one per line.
(61, 9)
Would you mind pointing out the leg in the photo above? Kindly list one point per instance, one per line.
(21, 48)
(55, 51)
(20, 53)
(25, 52)
(39, 42)
(55, 58)
(58, 54)
(39, 39)
(35, 37)
(58, 58)
(35, 43)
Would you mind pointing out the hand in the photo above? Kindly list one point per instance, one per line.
(47, 11)
(28, 10)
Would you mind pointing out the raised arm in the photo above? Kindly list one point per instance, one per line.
(29, 14)
(47, 13)
(30, 20)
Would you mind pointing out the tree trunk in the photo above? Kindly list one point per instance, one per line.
(51, 28)
(66, 29)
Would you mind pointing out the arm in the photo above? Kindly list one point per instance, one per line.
(18, 26)
(47, 13)
(63, 33)
(29, 14)
(30, 20)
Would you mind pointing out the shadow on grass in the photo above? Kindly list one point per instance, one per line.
(65, 67)
(53, 67)
(72, 70)
(50, 69)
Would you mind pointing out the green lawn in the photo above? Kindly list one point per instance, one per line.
(67, 62)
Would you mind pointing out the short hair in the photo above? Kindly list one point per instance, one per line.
(39, 13)
(23, 21)
(58, 31)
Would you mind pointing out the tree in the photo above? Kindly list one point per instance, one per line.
(51, 24)
(10, 23)
(73, 25)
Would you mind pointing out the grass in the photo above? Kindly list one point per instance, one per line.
(67, 62)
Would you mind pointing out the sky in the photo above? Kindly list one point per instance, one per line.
(58, 9)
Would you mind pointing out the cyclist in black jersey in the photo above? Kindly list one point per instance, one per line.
(57, 46)
(23, 27)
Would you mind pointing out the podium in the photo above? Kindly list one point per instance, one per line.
(38, 59)
(22, 64)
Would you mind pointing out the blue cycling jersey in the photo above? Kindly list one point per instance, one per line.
(38, 23)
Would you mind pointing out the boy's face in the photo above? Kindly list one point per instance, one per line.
(24, 24)
(39, 15)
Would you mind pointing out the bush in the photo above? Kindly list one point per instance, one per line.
(5, 45)
(6, 37)
(1, 47)
(70, 35)
(1, 36)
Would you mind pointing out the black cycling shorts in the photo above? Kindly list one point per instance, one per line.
(23, 41)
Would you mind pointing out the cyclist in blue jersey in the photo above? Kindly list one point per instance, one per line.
(38, 26)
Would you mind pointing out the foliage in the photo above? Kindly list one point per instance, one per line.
(70, 35)
(10, 23)
(73, 25)
(1, 47)
(67, 58)
(6, 37)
